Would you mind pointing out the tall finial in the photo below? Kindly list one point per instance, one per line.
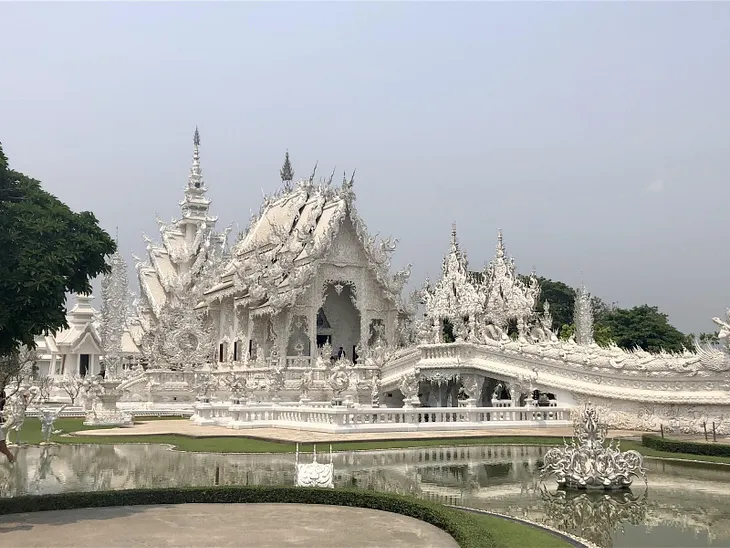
(500, 243)
(195, 180)
(116, 237)
(454, 241)
(583, 316)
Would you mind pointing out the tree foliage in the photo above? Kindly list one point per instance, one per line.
(561, 298)
(47, 251)
(286, 172)
(17, 366)
(601, 333)
(644, 327)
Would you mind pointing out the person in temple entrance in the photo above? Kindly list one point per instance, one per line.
(341, 354)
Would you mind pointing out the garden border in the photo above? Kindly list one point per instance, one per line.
(466, 531)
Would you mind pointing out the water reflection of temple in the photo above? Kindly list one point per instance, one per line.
(496, 478)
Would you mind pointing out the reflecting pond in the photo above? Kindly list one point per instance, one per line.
(683, 506)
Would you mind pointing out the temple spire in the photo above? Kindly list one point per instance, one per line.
(500, 244)
(583, 316)
(454, 239)
(195, 205)
(195, 180)
(286, 172)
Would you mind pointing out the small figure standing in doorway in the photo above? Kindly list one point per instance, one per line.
(341, 354)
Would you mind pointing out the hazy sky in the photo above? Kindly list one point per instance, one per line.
(597, 136)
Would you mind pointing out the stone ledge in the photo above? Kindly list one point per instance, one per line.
(187, 428)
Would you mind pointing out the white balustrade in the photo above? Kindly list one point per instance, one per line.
(321, 418)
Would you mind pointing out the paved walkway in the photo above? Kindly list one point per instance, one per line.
(187, 428)
(221, 525)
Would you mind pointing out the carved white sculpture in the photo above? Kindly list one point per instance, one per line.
(48, 417)
(314, 474)
(339, 378)
(238, 385)
(168, 328)
(409, 388)
(586, 463)
(14, 413)
(305, 385)
(583, 317)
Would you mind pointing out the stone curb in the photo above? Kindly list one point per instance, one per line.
(575, 541)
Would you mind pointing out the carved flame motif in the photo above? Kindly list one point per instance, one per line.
(586, 463)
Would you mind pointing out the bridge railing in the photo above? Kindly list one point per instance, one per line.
(378, 419)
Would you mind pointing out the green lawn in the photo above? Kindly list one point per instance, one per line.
(509, 534)
(31, 434)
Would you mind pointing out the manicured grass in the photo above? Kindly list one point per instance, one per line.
(31, 434)
(509, 534)
(469, 530)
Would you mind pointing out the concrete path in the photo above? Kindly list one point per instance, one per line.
(221, 525)
(187, 428)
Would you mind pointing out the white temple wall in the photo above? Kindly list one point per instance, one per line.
(678, 418)
(347, 261)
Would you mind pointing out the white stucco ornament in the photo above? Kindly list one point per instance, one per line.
(585, 463)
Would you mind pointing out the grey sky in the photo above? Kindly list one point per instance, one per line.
(595, 135)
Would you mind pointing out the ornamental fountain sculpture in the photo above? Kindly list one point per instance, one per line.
(585, 463)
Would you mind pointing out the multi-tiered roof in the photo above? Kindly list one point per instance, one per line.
(179, 269)
(275, 259)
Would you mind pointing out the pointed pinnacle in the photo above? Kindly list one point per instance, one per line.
(196, 137)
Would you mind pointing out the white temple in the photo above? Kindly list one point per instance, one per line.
(302, 324)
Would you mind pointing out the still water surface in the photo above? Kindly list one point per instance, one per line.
(683, 506)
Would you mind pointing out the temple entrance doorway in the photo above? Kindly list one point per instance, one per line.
(341, 319)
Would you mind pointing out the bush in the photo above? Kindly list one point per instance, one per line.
(465, 528)
(653, 441)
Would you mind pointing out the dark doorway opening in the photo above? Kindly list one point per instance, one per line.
(83, 365)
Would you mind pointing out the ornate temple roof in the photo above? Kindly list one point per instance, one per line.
(275, 259)
(497, 294)
(455, 294)
(178, 267)
(507, 296)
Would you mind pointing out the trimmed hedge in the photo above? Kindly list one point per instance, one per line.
(466, 530)
(684, 446)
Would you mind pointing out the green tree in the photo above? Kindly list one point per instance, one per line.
(644, 326)
(47, 251)
(561, 298)
(601, 333)
(286, 172)
(708, 338)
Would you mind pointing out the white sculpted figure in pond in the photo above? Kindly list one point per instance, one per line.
(586, 463)
(48, 417)
(314, 474)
